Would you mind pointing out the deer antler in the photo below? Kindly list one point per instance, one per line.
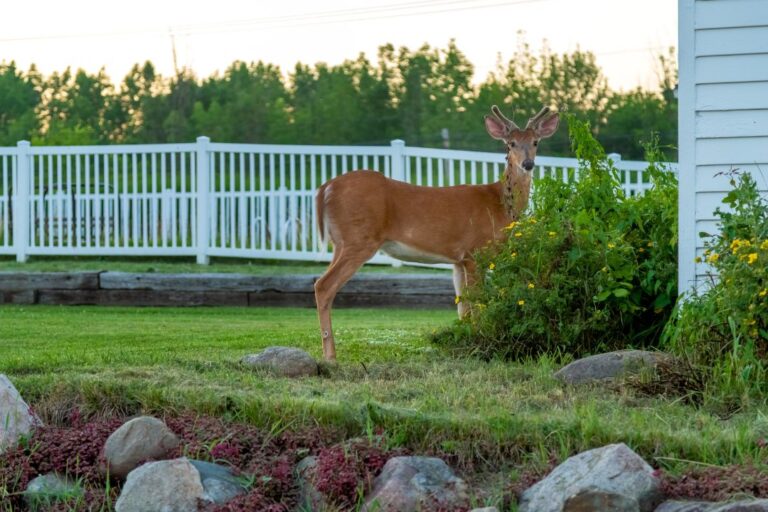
(501, 117)
(532, 122)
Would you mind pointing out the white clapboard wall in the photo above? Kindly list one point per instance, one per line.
(723, 113)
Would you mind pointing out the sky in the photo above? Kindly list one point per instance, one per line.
(625, 35)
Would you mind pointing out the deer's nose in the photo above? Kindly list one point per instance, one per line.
(528, 164)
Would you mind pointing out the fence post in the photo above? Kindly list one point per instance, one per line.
(202, 198)
(398, 160)
(21, 202)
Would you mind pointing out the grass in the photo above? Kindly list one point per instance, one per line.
(481, 415)
(186, 265)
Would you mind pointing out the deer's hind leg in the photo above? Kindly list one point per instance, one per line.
(346, 261)
(464, 276)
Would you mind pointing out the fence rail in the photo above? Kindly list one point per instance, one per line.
(213, 199)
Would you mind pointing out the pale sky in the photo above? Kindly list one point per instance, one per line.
(625, 35)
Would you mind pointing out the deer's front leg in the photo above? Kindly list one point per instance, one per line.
(464, 276)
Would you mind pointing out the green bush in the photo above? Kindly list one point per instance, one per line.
(723, 328)
(588, 269)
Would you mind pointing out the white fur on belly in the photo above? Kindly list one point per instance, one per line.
(407, 253)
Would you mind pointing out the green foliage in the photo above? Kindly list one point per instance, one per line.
(724, 327)
(406, 93)
(588, 269)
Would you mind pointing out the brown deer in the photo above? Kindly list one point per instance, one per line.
(364, 211)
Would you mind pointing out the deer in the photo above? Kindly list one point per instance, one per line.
(363, 211)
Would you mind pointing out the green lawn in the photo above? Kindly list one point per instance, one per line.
(154, 360)
(186, 265)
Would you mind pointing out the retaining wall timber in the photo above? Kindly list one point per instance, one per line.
(135, 289)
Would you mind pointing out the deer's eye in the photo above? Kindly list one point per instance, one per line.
(511, 144)
(535, 143)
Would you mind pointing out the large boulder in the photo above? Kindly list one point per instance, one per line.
(163, 486)
(410, 484)
(219, 483)
(16, 418)
(703, 506)
(283, 362)
(614, 474)
(44, 491)
(610, 365)
(138, 440)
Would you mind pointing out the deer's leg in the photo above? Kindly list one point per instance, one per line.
(346, 261)
(464, 276)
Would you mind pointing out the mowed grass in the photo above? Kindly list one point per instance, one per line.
(153, 360)
(177, 265)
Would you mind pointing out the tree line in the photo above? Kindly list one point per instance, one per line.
(424, 96)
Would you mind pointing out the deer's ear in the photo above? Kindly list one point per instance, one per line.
(496, 128)
(547, 127)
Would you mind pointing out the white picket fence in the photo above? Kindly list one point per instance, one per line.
(208, 199)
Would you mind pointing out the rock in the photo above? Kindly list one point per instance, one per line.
(589, 501)
(16, 418)
(609, 366)
(702, 506)
(219, 484)
(44, 490)
(309, 497)
(609, 472)
(416, 484)
(163, 486)
(136, 441)
(283, 362)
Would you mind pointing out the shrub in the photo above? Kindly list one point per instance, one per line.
(723, 328)
(588, 269)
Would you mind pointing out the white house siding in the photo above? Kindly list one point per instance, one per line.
(723, 112)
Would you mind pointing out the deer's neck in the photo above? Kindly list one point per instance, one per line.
(515, 191)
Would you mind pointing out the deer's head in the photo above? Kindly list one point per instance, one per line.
(522, 143)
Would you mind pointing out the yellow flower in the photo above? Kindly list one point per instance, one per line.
(514, 255)
(604, 269)
(641, 250)
(650, 244)
(752, 257)
(552, 233)
(764, 292)
(521, 302)
(764, 245)
(531, 286)
(457, 299)
(697, 259)
(611, 246)
(713, 257)
(518, 234)
(532, 220)
(752, 322)
(512, 225)
(753, 333)
(492, 266)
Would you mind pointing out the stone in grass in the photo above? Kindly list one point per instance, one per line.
(609, 366)
(167, 486)
(137, 440)
(702, 506)
(283, 362)
(16, 418)
(410, 484)
(219, 483)
(614, 473)
(309, 497)
(45, 490)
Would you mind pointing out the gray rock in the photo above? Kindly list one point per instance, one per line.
(137, 440)
(283, 362)
(609, 366)
(44, 490)
(219, 483)
(410, 484)
(310, 498)
(610, 470)
(485, 509)
(702, 506)
(589, 501)
(16, 418)
(164, 486)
